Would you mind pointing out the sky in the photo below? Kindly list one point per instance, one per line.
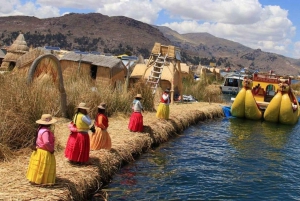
(270, 25)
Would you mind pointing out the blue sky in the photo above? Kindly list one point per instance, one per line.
(271, 25)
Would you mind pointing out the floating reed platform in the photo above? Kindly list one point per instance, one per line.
(81, 182)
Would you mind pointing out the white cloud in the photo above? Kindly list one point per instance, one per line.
(15, 7)
(142, 10)
(297, 50)
(224, 11)
(272, 32)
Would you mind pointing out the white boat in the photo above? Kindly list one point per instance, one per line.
(232, 83)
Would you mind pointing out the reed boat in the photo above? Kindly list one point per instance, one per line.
(268, 97)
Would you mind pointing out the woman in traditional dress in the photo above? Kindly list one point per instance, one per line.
(78, 144)
(42, 165)
(136, 118)
(163, 110)
(100, 139)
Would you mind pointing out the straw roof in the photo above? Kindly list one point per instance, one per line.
(29, 57)
(10, 56)
(167, 73)
(19, 45)
(138, 71)
(98, 60)
(184, 68)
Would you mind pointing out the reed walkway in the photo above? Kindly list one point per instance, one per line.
(81, 182)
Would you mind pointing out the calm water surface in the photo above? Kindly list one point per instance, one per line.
(226, 159)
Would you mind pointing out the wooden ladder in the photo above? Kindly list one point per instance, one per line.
(155, 75)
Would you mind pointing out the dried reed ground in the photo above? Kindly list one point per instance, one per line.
(80, 182)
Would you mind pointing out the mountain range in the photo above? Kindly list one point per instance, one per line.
(119, 35)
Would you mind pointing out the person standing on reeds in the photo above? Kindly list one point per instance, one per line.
(100, 139)
(163, 110)
(42, 165)
(78, 144)
(136, 118)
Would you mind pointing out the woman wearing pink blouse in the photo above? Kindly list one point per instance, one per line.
(42, 165)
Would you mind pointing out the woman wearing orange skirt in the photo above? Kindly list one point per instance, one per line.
(42, 165)
(136, 118)
(100, 139)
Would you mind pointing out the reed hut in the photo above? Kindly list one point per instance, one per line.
(103, 69)
(15, 51)
(171, 74)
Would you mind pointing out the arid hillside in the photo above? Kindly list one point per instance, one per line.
(118, 35)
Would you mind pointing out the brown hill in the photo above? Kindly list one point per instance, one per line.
(86, 32)
(231, 54)
(117, 35)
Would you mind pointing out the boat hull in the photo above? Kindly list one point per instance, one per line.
(251, 109)
(244, 106)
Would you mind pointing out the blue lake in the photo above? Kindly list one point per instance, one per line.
(223, 159)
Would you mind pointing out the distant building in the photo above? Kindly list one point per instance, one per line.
(15, 51)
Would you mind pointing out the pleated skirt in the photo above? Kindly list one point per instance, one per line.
(136, 122)
(100, 139)
(78, 147)
(42, 167)
(163, 111)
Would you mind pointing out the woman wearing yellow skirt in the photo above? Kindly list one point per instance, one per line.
(100, 139)
(163, 110)
(42, 165)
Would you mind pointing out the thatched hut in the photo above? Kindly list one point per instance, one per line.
(16, 50)
(171, 74)
(104, 69)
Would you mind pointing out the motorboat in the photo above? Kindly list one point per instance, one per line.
(232, 83)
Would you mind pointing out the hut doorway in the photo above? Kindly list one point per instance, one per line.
(11, 65)
(94, 71)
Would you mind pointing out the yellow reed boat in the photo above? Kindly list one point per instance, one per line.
(268, 97)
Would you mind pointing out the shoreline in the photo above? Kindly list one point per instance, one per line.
(81, 182)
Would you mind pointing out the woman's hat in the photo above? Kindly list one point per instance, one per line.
(139, 96)
(102, 106)
(167, 90)
(82, 106)
(46, 119)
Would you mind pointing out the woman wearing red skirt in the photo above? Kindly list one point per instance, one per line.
(136, 118)
(78, 145)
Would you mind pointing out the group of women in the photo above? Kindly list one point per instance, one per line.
(42, 165)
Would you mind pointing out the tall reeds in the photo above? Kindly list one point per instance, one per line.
(22, 104)
(203, 90)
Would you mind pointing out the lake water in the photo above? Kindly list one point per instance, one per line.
(224, 159)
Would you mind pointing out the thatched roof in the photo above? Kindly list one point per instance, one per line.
(30, 56)
(19, 45)
(140, 69)
(12, 57)
(2, 55)
(97, 60)
(184, 68)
